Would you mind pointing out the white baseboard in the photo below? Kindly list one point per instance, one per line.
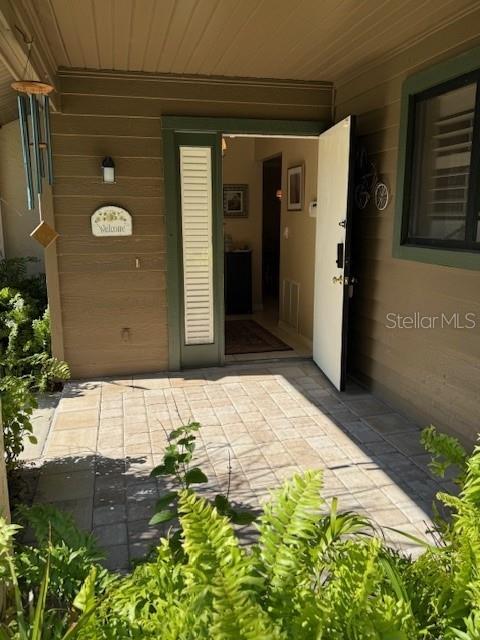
(291, 331)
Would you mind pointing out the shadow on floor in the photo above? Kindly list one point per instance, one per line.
(270, 420)
(115, 499)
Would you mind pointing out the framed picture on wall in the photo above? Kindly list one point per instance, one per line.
(295, 188)
(235, 200)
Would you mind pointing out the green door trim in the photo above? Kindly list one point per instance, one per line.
(174, 128)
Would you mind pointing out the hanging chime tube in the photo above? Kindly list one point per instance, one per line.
(36, 141)
(23, 117)
(48, 138)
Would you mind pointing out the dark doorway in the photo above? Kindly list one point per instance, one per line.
(271, 206)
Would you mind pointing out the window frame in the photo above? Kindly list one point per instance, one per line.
(451, 74)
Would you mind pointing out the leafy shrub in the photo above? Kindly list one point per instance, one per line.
(313, 573)
(177, 464)
(18, 403)
(14, 275)
(51, 585)
(26, 363)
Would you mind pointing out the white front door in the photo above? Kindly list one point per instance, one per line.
(332, 250)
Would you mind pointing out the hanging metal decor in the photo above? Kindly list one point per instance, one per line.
(369, 185)
(34, 130)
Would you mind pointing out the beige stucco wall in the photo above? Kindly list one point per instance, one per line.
(297, 243)
(17, 221)
(433, 375)
(240, 167)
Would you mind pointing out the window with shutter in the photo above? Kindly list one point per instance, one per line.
(443, 207)
(196, 205)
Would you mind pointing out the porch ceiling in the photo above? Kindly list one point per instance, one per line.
(303, 40)
(8, 98)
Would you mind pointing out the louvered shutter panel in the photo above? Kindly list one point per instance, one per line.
(196, 199)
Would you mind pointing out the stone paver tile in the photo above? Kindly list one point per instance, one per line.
(82, 419)
(80, 402)
(251, 462)
(140, 509)
(279, 460)
(410, 445)
(116, 557)
(138, 549)
(153, 382)
(379, 448)
(111, 534)
(286, 472)
(260, 479)
(366, 405)
(109, 496)
(361, 432)
(390, 517)
(111, 423)
(389, 423)
(142, 437)
(272, 448)
(353, 478)
(109, 514)
(80, 508)
(142, 490)
(71, 442)
(263, 435)
(109, 452)
(137, 449)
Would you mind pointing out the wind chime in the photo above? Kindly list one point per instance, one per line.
(36, 141)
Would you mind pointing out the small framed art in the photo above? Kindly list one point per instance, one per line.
(295, 188)
(235, 200)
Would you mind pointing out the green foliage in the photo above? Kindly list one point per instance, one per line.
(40, 586)
(25, 343)
(314, 572)
(14, 275)
(177, 463)
(446, 451)
(26, 363)
(18, 403)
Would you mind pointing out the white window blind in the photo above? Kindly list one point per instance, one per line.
(196, 200)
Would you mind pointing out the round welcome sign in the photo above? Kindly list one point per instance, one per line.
(111, 220)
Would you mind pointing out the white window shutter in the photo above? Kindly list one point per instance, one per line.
(196, 199)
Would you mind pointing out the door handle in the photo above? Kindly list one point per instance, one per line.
(344, 280)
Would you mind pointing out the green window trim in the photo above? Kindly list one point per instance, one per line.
(417, 83)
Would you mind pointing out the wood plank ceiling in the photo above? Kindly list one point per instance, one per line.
(8, 97)
(299, 39)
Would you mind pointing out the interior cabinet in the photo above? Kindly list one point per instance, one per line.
(238, 282)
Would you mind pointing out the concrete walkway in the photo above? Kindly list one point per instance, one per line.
(266, 420)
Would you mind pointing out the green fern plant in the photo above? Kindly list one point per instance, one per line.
(29, 616)
(177, 463)
(446, 452)
(313, 572)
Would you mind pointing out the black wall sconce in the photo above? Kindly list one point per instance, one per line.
(108, 169)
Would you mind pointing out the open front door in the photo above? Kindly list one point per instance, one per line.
(333, 283)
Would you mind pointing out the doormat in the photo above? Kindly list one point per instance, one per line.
(247, 336)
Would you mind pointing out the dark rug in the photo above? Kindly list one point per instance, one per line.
(247, 336)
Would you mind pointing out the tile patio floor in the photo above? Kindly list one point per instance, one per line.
(270, 419)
